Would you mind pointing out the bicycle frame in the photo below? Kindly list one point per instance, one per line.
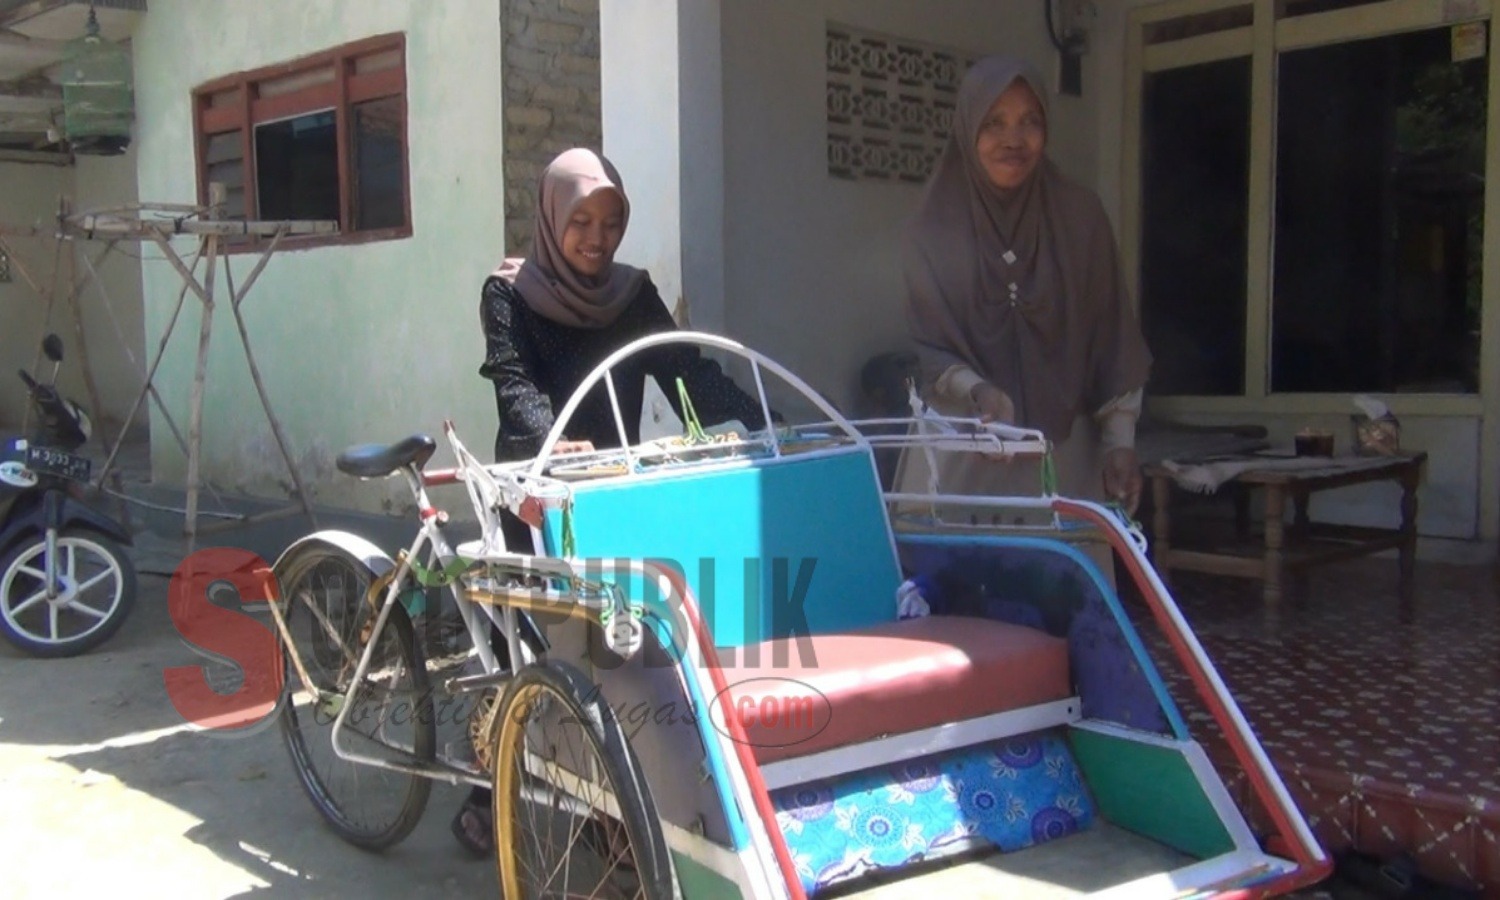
(480, 604)
(430, 543)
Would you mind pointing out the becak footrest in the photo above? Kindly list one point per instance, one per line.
(1009, 794)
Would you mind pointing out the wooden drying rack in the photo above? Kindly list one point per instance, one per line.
(159, 223)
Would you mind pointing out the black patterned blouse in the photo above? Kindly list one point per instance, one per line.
(537, 363)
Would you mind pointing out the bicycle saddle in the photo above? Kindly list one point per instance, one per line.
(380, 460)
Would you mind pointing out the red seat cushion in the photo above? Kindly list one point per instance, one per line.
(804, 695)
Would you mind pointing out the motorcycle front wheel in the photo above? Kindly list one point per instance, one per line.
(95, 592)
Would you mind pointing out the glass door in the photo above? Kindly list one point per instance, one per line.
(1379, 213)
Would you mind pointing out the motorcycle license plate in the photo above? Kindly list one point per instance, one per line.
(50, 461)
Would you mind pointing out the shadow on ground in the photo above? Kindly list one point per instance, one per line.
(97, 765)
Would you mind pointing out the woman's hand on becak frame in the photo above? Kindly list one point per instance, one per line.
(1122, 478)
(993, 404)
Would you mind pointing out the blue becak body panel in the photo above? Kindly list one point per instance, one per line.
(774, 549)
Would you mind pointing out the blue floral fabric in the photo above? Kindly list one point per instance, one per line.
(1013, 793)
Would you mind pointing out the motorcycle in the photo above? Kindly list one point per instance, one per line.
(66, 584)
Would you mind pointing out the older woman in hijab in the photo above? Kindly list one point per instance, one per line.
(550, 319)
(1016, 299)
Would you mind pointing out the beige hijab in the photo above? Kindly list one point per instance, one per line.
(1070, 342)
(544, 280)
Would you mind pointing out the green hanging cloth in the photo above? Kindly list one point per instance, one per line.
(569, 545)
(1049, 474)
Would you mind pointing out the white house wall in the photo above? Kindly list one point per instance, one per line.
(29, 196)
(366, 342)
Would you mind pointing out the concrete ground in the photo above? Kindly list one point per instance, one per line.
(104, 788)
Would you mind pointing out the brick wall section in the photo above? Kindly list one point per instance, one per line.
(551, 96)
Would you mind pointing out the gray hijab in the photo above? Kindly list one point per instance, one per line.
(1070, 341)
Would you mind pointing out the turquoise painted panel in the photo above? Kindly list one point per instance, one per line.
(792, 546)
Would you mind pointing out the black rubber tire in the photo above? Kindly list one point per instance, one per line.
(650, 867)
(409, 792)
(15, 584)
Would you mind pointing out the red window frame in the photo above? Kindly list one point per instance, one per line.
(234, 103)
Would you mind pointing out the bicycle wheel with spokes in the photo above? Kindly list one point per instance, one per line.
(389, 716)
(573, 814)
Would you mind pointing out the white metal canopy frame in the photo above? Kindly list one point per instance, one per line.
(159, 223)
(926, 430)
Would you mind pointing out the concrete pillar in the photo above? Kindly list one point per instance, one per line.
(662, 107)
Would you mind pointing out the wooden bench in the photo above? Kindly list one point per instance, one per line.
(1301, 544)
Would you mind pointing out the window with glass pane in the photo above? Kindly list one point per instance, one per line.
(321, 138)
(297, 168)
(1195, 152)
(1379, 217)
(378, 172)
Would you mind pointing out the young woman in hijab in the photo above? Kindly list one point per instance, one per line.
(1017, 303)
(550, 319)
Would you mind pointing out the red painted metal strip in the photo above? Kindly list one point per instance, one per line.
(741, 741)
(439, 477)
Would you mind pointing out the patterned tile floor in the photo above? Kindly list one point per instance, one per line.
(1382, 717)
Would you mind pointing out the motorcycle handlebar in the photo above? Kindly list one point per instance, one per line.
(58, 424)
